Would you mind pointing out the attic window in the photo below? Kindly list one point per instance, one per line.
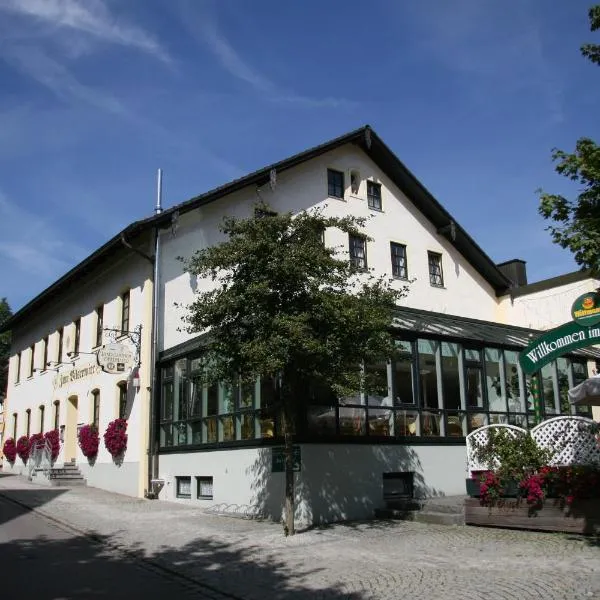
(354, 181)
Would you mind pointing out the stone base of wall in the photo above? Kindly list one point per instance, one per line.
(583, 516)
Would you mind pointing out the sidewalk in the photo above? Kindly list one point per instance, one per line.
(374, 560)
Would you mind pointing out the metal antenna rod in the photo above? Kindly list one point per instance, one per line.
(158, 208)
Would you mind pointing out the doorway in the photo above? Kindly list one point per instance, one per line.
(71, 430)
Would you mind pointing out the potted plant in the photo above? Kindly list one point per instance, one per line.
(115, 439)
(23, 448)
(89, 440)
(53, 438)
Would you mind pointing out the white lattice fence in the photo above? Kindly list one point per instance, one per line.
(573, 437)
(480, 437)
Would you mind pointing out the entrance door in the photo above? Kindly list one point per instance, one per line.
(71, 429)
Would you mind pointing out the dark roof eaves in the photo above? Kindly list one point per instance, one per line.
(552, 282)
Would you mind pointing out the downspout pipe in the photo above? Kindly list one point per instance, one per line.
(151, 489)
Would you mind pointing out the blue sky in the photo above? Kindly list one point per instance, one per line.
(472, 95)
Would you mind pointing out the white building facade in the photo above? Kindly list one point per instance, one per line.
(461, 328)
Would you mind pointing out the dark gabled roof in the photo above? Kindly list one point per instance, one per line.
(553, 282)
(370, 143)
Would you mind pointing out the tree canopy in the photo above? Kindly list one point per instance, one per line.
(286, 306)
(576, 222)
(5, 314)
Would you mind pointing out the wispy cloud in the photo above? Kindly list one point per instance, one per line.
(494, 46)
(33, 243)
(206, 27)
(90, 17)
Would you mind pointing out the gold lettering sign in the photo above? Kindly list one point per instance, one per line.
(74, 375)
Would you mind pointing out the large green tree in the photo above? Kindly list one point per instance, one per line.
(5, 314)
(288, 307)
(577, 221)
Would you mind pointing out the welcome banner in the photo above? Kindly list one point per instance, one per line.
(555, 343)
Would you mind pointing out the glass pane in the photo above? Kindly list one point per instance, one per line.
(166, 435)
(247, 395)
(498, 419)
(495, 388)
(195, 397)
(406, 423)
(474, 393)
(247, 426)
(181, 433)
(267, 424)
(228, 394)
(352, 421)
(513, 384)
(211, 430)
(321, 420)
(212, 399)
(268, 391)
(196, 432)
(167, 401)
(474, 421)
(181, 407)
(548, 389)
(380, 421)
(430, 424)
(456, 424)
(580, 375)
(528, 395)
(518, 419)
(472, 355)
(402, 374)
(228, 429)
(195, 365)
(562, 366)
(428, 374)
(376, 384)
(450, 377)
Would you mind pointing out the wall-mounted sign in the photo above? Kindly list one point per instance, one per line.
(115, 358)
(555, 343)
(75, 375)
(278, 459)
(586, 309)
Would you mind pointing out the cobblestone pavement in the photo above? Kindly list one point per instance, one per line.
(358, 561)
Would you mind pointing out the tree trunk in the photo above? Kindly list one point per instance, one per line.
(287, 395)
(289, 478)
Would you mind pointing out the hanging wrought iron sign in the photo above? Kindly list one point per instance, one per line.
(115, 358)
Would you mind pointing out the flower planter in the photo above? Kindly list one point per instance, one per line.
(511, 489)
(583, 516)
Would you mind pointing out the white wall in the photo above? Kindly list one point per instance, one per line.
(131, 273)
(545, 309)
(465, 292)
(336, 482)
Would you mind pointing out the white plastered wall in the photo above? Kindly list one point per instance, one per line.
(336, 482)
(131, 273)
(465, 292)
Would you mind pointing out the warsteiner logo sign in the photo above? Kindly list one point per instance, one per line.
(115, 358)
(586, 309)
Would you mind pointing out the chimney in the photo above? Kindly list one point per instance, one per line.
(515, 270)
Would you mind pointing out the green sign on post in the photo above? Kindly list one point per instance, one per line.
(278, 459)
(586, 309)
(555, 343)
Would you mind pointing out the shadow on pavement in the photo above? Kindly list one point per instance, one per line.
(76, 566)
(31, 498)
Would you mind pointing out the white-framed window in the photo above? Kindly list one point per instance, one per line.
(358, 251)
(399, 265)
(204, 488)
(436, 275)
(183, 487)
(374, 195)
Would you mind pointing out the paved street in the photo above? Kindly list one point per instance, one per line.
(43, 560)
(251, 560)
